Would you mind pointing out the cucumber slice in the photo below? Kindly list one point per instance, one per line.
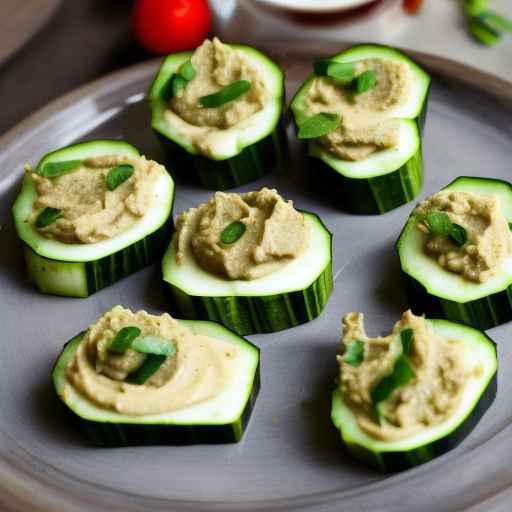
(432, 441)
(78, 270)
(290, 296)
(222, 419)
(242, 153)
(388, 178)
(438, 292)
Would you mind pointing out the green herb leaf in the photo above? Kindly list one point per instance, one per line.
(341, 71)
(406, 337)
(438, 223)
(187, 70)
(483, 31)
(150, 366)
(233, 232)
(366, 81)
(178, 84)
(118, 175)
(318, 125)
(475, 7)
(458, 234)
(54, 169)
(154, 345)
(48, 216)
(354, 353)
(510, 226)
(123, 339)
(229, 93)
(495, 20)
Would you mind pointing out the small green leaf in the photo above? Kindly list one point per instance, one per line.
(54, 169)
(178, 84)
(118, 175)
(150, 366)
(510, 226)
(341, 71)
(166, 92)
(438, 223)
(48, 216)
(496, 21)
(354, 353)
(318, 125)
(233, 232)
(474, 7)
(458, 234)
(124, 339)
(483, 31)
(406, 337)
(187, 70)
(366, 81)
(154, 345)
(229, 93)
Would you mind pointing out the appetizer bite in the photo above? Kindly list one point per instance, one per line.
(455, 253)
(362, 112)
(405, 398)
(217, 111)
(91, 214)
(141, 379)
(250, 261)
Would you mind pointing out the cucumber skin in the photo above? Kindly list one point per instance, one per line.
(252, 163)
(402, 460)
(252, 314)
(106, 270)
(483, 314)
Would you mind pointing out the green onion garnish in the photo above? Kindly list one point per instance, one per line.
(187, 70)
(354, 353)
(154, 345)
(118, 175)
(229, 93)
(48, 216)
(124, 339)
(341, 71)
(318, 125)
(233, 232)
(150, 366)
(54, 169)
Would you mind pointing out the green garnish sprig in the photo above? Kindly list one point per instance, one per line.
(439, 223)
(178, 81)
(47, 216)
(55, 169)
(354, 353)
(118, 175)
(485, 25)
(318, 125)
(229, 93)
(233, 232)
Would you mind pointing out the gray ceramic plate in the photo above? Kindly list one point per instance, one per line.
(290, 456)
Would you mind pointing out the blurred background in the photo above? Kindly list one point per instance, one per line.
(49, 47)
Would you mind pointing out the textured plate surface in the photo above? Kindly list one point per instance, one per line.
(290, 455)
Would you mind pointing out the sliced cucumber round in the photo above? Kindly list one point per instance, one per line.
(477, 397)
(388, 178)
(295, 294)
(78, 270)
(437, 292)
(241, 153)
(222, 419)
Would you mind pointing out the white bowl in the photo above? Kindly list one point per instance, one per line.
(315, 6)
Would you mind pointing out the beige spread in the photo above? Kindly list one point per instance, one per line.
(366, 126)
(275, 234)
(489, 239)
(441, 375)
(199, 371)
(91, 212)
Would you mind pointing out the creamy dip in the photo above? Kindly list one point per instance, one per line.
(90, 212)
(275, 234)
(489, 238)
(200, 370)
(366, 119)
(441, 376)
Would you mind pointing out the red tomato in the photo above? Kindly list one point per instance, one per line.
(167, 26)
(412, 6)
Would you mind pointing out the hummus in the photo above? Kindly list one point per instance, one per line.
(441, 375)
(91, 212)
(200, 370)
(489, 239)
(366, 119)
(275, 234)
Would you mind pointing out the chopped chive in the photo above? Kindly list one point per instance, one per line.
(354, 353)
(54, 169)
(178, 84)
(150, 366)
(48, 216)
(366, 81)
(458, 234)
(124, 339)
(118, 175)
(233, 232)
(318, 125)
(187, 70)
(341, 71)
(154, 345)
(229, 93)
(406, 337)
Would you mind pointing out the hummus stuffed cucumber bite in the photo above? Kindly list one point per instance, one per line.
(361, 113)
(133, 378)
(456, 253)
(92, 213)
(217, 111)
(405, 398)
(250, 261)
